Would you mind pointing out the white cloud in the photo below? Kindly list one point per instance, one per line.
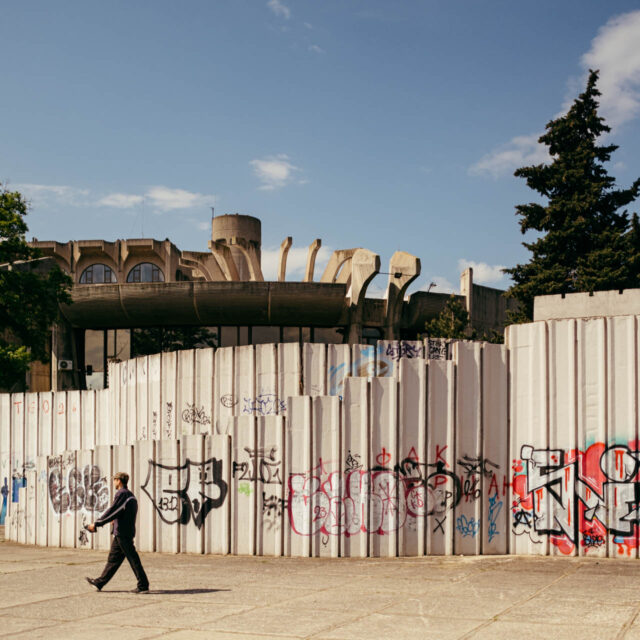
(519, 152)
(167, 199)
(280, 9)
(615, 51)
(159, 197)
(296, 262)
(441, 285)
(274, 172)
(316, 49)
(483, 273)
(44, 194)
(120, 200)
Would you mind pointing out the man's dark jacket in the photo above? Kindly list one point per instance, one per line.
(123, 511)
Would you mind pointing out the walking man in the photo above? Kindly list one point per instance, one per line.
(123, 513)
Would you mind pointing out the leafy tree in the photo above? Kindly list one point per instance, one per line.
(157, 339)
(452, 322)
(29, 299)
(586, 243)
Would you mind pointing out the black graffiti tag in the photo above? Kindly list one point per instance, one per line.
(186, 492)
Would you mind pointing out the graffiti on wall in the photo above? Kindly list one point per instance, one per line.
(260, 465)
(187, 492)
(576, 498)
(264, 404)
(192, 414)
(378, 500)
(5, 493)
(403, 349)
(76, 489)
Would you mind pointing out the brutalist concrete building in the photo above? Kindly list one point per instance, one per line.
(134, 284)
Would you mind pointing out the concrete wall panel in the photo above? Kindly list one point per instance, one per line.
(326, 503)
(168, 416)
(387, 513)
(68, 499)
(356, 464)
(249, 404)
(203, 414)
(289, 374)
(167, 496)
(496, 466)
(622, 438)
(244, 486)
(217, 483)
(592, 415)
(103, 417)
(103, 493)
(225, 399)
(123, 407)
(142, 399)
(443, 485)
(470, 464)
(88, 485)
(268, 467)
(88, 419)
(338, 368)
(144, 475)
(314, 369)
(42, 501)
(302, 479)
(412, 447)
(154, 419)
(30, 515)
(5, 455)
(185, 404)
(17, 463)
(30, 431)
(194, 505)
(529, 432)
(363, 360)
(55, 494)
(131, 425)
(74, 418)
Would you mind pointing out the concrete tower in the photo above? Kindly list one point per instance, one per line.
(242, 234)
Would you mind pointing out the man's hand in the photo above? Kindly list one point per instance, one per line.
(91, 527)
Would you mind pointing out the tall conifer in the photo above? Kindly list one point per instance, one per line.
(586, 243)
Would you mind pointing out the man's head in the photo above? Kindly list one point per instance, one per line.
(121, 479)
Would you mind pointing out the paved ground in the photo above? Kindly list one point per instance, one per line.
(43, 595)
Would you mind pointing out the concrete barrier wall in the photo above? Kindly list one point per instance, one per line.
(362, 464)
(528, 448)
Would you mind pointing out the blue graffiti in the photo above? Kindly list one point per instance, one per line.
(495, 506)
(266, 404)
(5, 492)
(468, 527)
(18, 481)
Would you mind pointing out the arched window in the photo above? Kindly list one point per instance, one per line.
(145, 272)
(97, 274)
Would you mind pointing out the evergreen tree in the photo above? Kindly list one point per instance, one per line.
(587, 244)
(28, 299)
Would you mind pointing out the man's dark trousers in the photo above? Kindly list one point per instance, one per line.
(122, 548)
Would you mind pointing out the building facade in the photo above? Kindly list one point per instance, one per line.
(133, 285)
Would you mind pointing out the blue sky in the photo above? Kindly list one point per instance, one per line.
(390, 125)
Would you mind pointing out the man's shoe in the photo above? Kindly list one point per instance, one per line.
(94, 583)
(139, 590)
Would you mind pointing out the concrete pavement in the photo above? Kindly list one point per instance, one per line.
(43, 595)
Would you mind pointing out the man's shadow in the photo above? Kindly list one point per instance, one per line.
(172, 591)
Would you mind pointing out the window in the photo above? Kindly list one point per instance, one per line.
(145, 272)
(97, 274)
(329, 335)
